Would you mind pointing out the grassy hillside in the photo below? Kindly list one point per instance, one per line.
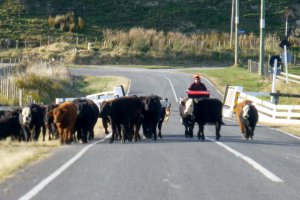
(29, 18)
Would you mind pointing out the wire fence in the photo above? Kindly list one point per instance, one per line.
(10, 70)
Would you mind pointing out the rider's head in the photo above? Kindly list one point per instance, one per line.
(197, 78)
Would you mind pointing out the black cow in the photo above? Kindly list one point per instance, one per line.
(88, 113)
(123, 112)
(187, 120)
(34, 121)
(51, 126)
(153, 114)
(10, 125)
(205, 111)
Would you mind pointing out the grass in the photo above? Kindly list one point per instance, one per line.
(15, 155)
(102, 84)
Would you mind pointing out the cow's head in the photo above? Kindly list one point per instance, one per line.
(58, 115)
(189, 107)
(152, 103)
(26, 114)
(105, 109)
(246, 110)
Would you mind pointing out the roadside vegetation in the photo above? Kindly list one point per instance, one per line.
(141, 46)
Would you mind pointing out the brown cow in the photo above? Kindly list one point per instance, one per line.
(247, 117)
(65, 116)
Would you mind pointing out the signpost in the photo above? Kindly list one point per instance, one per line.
(274, 80)
(285, 44)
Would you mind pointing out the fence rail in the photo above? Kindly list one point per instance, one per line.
(292, 78)
(253, 68)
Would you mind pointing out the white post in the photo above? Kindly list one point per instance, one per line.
(89, 46)
(20, 97)
(286, 65)
(274, 80)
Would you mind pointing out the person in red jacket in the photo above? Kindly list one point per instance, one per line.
(197, 85)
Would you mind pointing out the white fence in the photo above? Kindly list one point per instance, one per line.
(291, 77)
(271, 113)
(118, 91)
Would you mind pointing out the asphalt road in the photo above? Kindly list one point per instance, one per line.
(172, 168)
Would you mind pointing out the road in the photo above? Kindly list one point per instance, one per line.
(173, 168)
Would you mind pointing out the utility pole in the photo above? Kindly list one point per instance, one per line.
(236, 58)
(262, 39)
(232, 22)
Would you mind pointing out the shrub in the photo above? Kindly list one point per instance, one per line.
(66, 22)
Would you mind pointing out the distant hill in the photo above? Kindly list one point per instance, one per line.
(29, 18)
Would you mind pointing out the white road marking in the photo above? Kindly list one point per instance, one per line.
(34, 191)
(129, 87)
(249, 160)
(172, 86)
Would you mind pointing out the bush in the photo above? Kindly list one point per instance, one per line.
(66, 22)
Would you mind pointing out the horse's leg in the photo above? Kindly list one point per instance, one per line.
(218, 128)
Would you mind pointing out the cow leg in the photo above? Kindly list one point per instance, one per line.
(91, 134)
(26, 133)
(201, 132)
(36, 132)
(186, 131)
(154, 125)
(44, 131)
(218, 128)
(159, 129)
(126, 132)
(105, 125)
(61, 135)
(114, 131)
(84, 135)
(191, 131)
(69, 135)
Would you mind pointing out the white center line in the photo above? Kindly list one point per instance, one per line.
(173, 89)
(249, 160)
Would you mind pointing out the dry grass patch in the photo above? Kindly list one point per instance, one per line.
(14, 155)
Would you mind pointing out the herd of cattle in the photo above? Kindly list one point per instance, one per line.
(74, 121)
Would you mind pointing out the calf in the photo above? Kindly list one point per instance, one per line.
(88, 114)
(247, 118)
(205, 111)
(65, 116)
(10, 125)
(52, 129)
(153, 114)
(34, 121)
(187, 120)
